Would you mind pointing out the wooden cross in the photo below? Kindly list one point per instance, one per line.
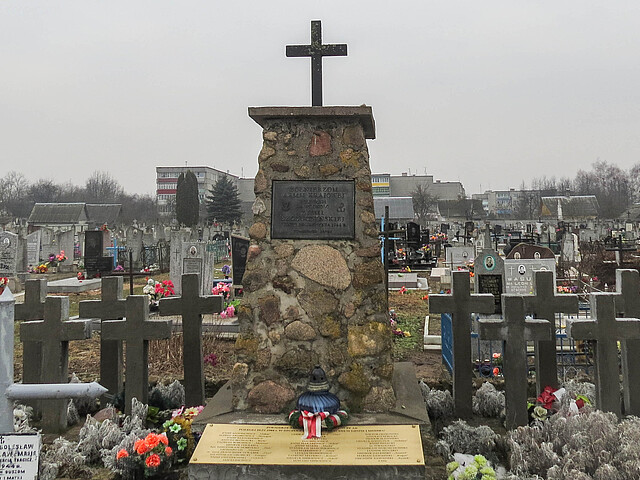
(136, 331)
(515, 330)
(35, 292)
(191, 306)
(461, 304)
(110, 307)
(628, 286)
(544, 304)
(316, 50)
(605, 329)
(54, 333)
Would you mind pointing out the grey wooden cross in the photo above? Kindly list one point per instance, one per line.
(35, 292)
(605, 329)
(461, 304)
(191, 306)
(110, 307)
(544, 304)
(316, 50)
(515, 330)
(136, 331)
(54, 333)
(628, 286)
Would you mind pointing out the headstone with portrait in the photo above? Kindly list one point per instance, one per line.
(192, 257)
(522, 261)
(489, 275)
(8, 254)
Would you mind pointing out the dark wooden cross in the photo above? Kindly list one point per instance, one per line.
(191, 306)
(110, 307)
(35, 292)
(53, 334)
(316, 50)
(136, 331)
(628, 286)
(515, 330)
(605, 329)
(544, 304)
(461, 304)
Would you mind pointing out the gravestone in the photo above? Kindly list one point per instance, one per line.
(399, 280)
(605, 330)
(515, 330)
(545, 304)
(134, 244)
(191, 305)
(239, 249)
(33, 248)
(8, 254)
(461, 304)
(413, 235)
(459, 256)
(314, 282)
(521, 262)
(94, 259)
(488, 268)
(136, 330)
(54, 334)
(48, 243)
(191, 257)
(66, 243)
(628, 286)
(111, 306)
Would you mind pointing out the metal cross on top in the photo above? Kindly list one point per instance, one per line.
(316, 50)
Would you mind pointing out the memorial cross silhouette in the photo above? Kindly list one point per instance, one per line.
(515, 330)
(191, 306)
(111, 306)
(35, 292)
(605, 329)
(136, 330)
(316, 50)
(544, 304)
(54, 333)
(628, 286)
(461, 304)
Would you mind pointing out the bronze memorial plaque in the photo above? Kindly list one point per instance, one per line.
(313, 209)
(243, 444)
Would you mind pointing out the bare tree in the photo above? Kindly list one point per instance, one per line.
(102, 188)
(424, 203)
(14, 189)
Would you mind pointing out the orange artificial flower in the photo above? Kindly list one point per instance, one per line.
(163, 439)
(152, 441)
(152, 461)
(122, 454)
(168, 451)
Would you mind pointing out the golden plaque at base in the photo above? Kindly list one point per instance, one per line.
(244, 444)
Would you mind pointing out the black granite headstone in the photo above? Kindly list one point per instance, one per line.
(492, 284)
(239, 248)
(413, 235)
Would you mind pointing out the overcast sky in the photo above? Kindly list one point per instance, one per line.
(486, 92)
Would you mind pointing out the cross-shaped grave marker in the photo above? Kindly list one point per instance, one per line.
(628, 286)
(54, 334)
(316, 50)
(110, 307)
(136, 330)
(191, 306)
(515, 330)
(461, 304)
(605, 329)
(35, 292)
(544, 304)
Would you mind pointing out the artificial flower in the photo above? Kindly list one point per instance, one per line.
(152, 460)
(122, 454)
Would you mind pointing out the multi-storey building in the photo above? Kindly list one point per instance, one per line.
(387, 185)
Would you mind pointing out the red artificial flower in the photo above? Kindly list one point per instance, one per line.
(122, 454)
(152, 441)
(496, 371)
(579, 403)
(168, 451)
(152, 460)
(163, 439)
(426, 297)
(547, 397)
(140, 447)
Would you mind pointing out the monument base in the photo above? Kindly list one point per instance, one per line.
(409, 413)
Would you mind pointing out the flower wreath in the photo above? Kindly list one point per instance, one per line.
(307, 421)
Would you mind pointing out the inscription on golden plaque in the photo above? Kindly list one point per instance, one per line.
(282, 445)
